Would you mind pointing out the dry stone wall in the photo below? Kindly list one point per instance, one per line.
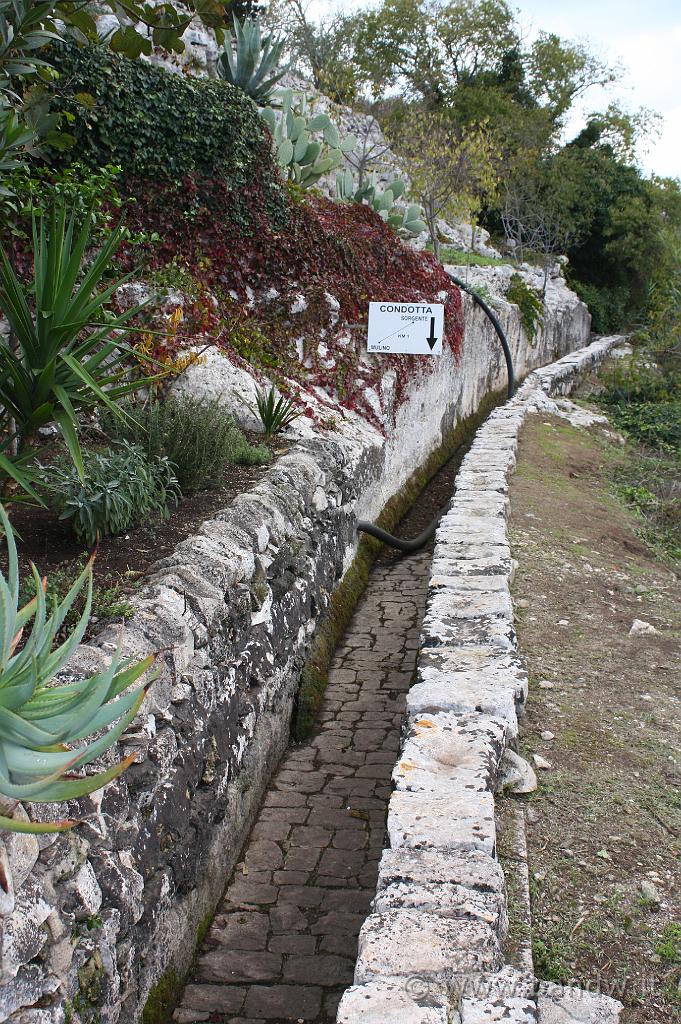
(92, 921)
(431, 952)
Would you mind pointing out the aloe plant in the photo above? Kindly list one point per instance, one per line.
(250, 62)
(276, 414)
(305, 159)
(67, 354)
(406, 218)
(41, 721)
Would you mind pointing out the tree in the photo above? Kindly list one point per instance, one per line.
(323, 49)
(535, 219)
(452, 170)
(431, 49)
(371, 146)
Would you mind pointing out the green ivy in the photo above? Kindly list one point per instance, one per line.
(528, 302)
(155, 124)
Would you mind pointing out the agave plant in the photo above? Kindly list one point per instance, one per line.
(276, 414)
(41, 721)
(254, 66)
(67, 354)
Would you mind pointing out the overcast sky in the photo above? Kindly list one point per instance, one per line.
(643, 36)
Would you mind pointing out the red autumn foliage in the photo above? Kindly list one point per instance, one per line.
(257, 270)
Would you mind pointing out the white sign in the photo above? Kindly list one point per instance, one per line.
(406, 328)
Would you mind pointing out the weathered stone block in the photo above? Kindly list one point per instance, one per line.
(443, 749)
(393, 1000)
(463, 820)
(564, 1005)
(408, 943)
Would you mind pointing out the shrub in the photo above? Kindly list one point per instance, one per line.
(119, 488)
(529, 304)
(108, 599)
(610, 307)
(162, 126)
(343, 250)
(69, 354)
(194, 434)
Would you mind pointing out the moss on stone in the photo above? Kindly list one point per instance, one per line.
(345, 598)
(162, 998)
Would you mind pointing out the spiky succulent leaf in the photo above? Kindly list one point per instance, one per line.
(250, 62)
(300, 148)
(41, 721)
(285, 153)
(348, 144)
(318, 123)
(331, 136)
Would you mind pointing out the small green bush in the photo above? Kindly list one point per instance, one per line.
(645, 402)
(610, 307)
(530, 305)
(195, 434)
(108, 599)
(121, 486)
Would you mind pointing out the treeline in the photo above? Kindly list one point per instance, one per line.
(478, 113)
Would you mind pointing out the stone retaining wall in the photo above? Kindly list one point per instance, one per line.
(431, 951)
(92, 921)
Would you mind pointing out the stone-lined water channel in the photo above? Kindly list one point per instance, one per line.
(283, 944)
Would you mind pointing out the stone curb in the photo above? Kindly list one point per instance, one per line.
(431, 951)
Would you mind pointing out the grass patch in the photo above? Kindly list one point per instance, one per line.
(649, 482)
(669, 944)
(467, 259)
(550, 960)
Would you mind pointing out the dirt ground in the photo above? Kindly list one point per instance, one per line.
(604, 827)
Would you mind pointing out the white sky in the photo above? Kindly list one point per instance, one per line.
(644, 37)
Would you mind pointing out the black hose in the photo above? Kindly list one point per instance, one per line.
(410, 546)
(497, 327)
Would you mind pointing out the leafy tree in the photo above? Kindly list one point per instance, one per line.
(323, 50)
(430, 49)
(451, 169)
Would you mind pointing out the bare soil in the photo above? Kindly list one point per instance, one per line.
(604, 827)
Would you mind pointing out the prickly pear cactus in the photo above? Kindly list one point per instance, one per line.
(400, 218)
(303, 158)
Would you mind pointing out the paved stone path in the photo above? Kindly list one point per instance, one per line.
(283, 944)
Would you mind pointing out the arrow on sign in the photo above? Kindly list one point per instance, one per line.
(431, 339)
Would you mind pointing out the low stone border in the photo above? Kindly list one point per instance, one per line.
(430, 953)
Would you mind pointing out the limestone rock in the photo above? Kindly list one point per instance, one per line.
(564, 1005)
(217, 377)
(516, 775)
(22, 851)
(398, 1000)
(461, 820)
(405, 943)
(641, 628)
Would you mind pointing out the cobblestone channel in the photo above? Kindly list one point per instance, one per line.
(282, 946)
